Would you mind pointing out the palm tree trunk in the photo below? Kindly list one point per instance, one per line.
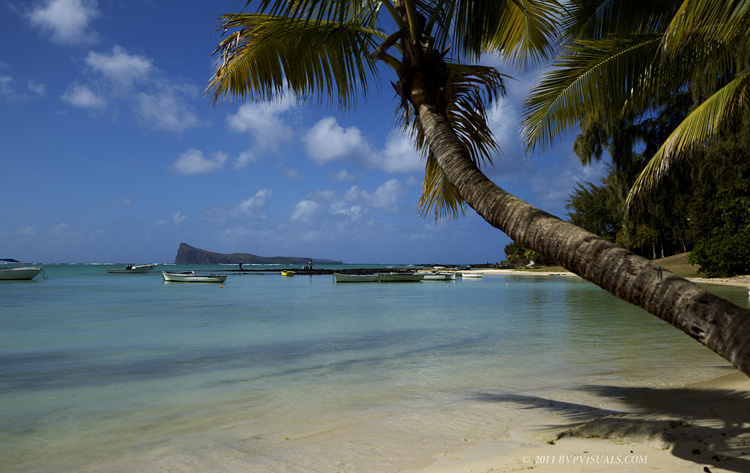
(718, 324)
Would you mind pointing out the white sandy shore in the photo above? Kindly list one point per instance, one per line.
(703, 427)
(740, 281)
(700, 427)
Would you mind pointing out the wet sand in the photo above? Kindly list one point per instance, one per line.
(701, 427)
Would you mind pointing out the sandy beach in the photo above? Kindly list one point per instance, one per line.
(740, 281)
(700, 427)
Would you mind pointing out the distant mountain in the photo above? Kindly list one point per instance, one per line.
(187, 254)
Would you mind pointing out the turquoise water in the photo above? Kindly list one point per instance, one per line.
(123, 373)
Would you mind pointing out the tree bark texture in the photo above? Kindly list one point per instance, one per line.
(720, 325)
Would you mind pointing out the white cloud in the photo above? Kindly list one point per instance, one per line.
(291, 173)
(6, 85)
(192, 162)
(64, 230)
(342, 176)
(386, 197)
(176, 220)
(38, 89)
(264, 122)
(10, 94)
(67, 20)
(255, 205)
(327, 141)
(26, 231)
(399, 155)
(305, 210)
(245, 159)
(252, 208)
(164, 111)
(504, 121)
(120, 66)
(82, 96)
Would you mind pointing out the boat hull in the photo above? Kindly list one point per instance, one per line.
(439, 276)
(400, 277)
(190, 276)
(338, 277)
(19, 274)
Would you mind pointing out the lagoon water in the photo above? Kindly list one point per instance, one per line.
(125, 373)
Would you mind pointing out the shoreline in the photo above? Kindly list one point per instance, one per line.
(737, 281)
(701, 426)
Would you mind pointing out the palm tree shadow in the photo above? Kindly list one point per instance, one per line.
(705, 426)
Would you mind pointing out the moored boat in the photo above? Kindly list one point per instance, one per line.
(439, 276)
(191, 276)
(339, 277)
(400, 277)
(472, 275)
(128, 271)
(287, 273)
(14, 270)
(133, 269)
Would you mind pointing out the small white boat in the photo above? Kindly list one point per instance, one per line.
(439, 276)
(14, 270)
(190, 276)
(400, 277)
(129, 270)
(338, 277)
(144, 266)
(472, 275)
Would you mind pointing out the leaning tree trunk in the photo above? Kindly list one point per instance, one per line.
(720, 325)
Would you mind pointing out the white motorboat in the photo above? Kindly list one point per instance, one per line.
(148, 267)
(14, 270)
(338, 277)
(129, 270)
(472, 275)
(191, 276)
(439, 276)
(400, 277)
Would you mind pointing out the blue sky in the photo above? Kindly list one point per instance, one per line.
(111, 152)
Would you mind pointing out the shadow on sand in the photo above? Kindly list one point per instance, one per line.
(703, 425)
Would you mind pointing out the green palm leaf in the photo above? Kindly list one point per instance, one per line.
(269, 54)
(707, 20)
(725, 106)
(438, 196)
(520, 30)
(592, 79)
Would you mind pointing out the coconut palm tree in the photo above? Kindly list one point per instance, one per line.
(621, 59)
(332, 49)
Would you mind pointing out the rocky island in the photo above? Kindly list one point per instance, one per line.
(187, 254)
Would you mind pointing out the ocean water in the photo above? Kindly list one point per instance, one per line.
(125, 373)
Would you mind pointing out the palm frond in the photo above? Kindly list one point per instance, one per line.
(438, 196)
(336, 11)
(522, 31)
(591, 79)
(706, 20)
(606, 19)
(268, 54)
(471, 92)
(723, 107)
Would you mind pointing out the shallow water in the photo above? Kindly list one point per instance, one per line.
(122, 373)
